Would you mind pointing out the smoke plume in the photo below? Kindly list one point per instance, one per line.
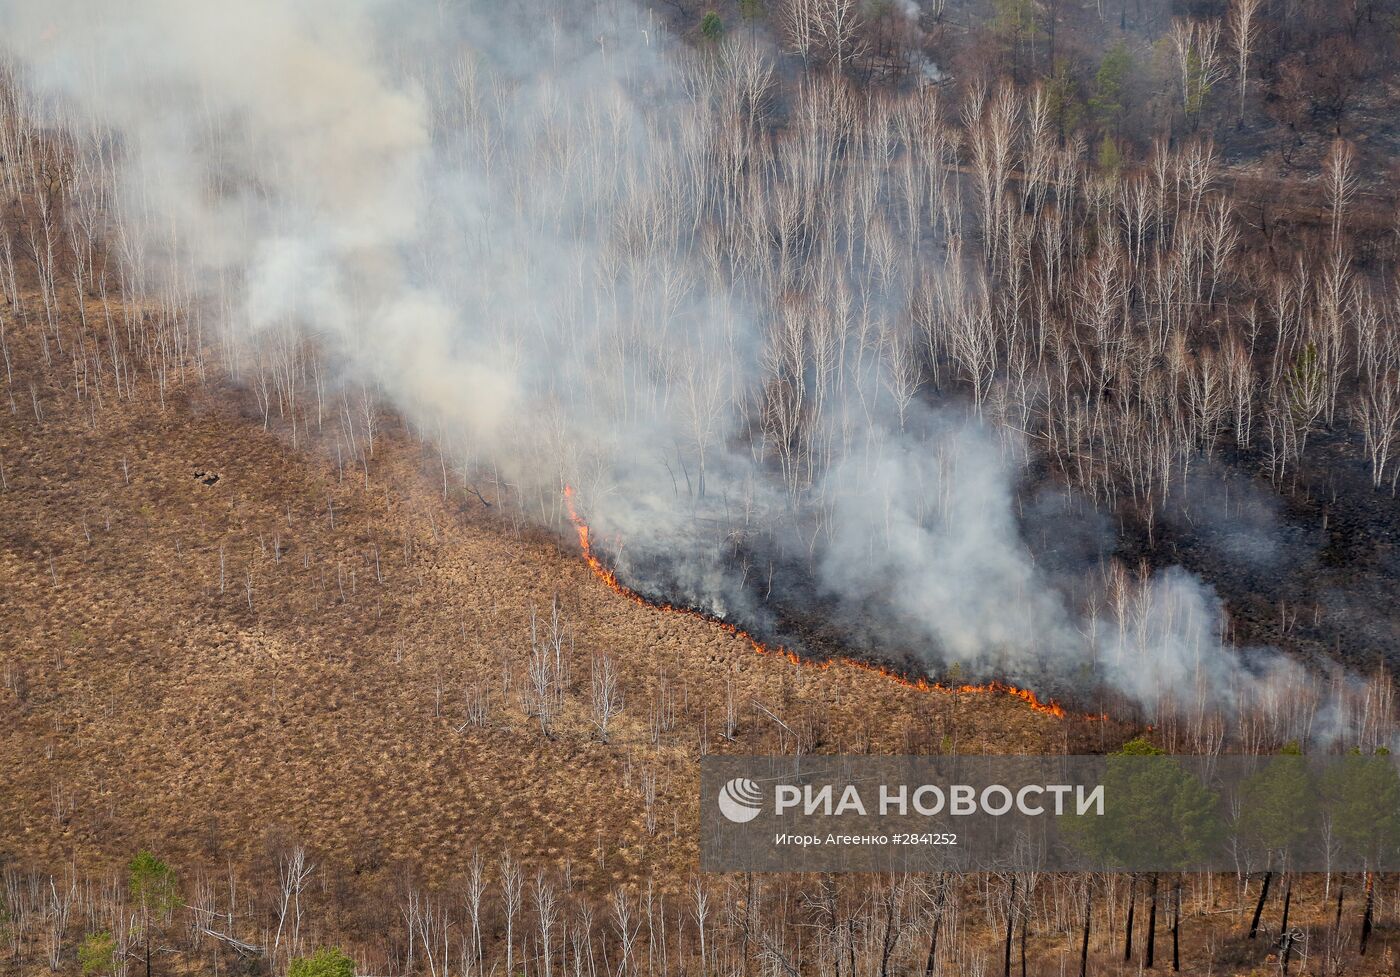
(574, 251)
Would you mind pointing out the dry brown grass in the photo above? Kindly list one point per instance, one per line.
(318, 697)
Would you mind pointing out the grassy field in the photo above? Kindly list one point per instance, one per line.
(290, 651)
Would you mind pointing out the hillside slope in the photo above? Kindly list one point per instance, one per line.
(290, 652)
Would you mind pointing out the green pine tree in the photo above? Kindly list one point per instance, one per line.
(1110, 159)
(1016, 23)
(96, 954)
(1065, 107)
(1362, 796)
(152, 887)
(1109, 102)
(1278, 806)
(1157, 815)
(711, 26)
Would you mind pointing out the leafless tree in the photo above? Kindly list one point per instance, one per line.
(1339, 183)
(547, 916)
(476, 889)
(627, 925)
(1378, 413)
(649, 795)
(292, 874)
(1195, 45)
(511, 886)
(606, 693)
(1243, 20)
(700, 909)
(547, 667)
(60, 908)
(834, 26)
(798, 19)
(478, 705)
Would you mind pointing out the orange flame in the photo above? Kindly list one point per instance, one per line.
(918, 683)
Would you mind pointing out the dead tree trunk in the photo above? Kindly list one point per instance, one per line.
(851, 943)
(933, 936)
(1366, 916)
(1152, 926)
(1025, 922)
(1259, 906)
(887, 948)
(834, 923)
(1010, 928)
(1176, 928)
(1128, 929)
(1084, 941)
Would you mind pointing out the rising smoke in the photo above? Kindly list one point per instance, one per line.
(574, 251)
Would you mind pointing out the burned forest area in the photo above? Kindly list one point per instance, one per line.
(432, 430)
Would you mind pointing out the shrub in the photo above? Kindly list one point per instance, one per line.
(95, 954)
(711, 26)
(325, 962)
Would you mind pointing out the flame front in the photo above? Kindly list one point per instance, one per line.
(920, 684)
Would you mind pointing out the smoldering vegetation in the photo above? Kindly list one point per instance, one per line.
(804, 348)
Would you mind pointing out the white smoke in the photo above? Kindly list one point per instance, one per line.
(525, 227)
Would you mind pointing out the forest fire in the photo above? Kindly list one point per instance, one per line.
(918, 683)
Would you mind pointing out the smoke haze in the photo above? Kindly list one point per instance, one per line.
(571, 251)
